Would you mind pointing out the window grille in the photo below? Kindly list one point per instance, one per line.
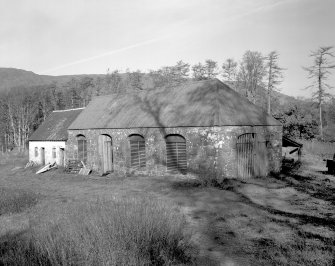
(137, 151)
(82, 148)
(176, 154)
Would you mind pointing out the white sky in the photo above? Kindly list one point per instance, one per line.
(86, 37)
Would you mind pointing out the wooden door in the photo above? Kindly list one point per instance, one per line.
(42, 156)
(246, 147)
(106, 153)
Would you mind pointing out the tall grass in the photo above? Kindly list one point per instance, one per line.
(16, 200)
(14, 159)
(319, 148)
(119, 232)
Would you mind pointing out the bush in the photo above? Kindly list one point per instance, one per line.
(122, 232)
(16, 200)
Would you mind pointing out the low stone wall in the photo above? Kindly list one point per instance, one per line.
(210, 150)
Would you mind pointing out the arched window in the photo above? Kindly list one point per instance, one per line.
(82, 148)
(176, 153)
(137, 151)
(36, 152)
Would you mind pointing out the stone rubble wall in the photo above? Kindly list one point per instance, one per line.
(210, 150)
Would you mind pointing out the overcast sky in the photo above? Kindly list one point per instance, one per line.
(86, 37)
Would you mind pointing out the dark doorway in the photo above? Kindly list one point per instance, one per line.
(61, 157)
(42, 156)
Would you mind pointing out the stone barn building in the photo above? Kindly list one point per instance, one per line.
(198, 128)
(48, 143)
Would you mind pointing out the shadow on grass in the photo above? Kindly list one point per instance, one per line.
(302, 218)
(313, 186)
(223, 214)
(18, 249)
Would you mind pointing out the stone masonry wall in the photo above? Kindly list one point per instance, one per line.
(210, 150)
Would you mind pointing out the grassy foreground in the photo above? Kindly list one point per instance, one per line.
(117, 232)
(287, 219)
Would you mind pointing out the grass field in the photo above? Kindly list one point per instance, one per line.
(60, 219)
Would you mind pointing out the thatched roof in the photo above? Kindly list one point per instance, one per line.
(55, 126)
(193, 104)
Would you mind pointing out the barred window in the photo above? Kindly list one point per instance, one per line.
(137, 151)
(82, 148)
(176, 154)
(54, 153)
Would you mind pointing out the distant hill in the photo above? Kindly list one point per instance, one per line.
(12, 77)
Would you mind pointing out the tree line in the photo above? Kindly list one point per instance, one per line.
(255, 76)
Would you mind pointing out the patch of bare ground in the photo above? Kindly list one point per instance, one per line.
(288, 219)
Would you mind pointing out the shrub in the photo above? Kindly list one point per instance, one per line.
(119, 232)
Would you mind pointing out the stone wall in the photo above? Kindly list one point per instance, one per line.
(210, 150)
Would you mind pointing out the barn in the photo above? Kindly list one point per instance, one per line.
(48, 143)
(197, 128)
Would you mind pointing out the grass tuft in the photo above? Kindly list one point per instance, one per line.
(119, 232)
(16, 200)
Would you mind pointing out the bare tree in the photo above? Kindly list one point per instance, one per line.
(211, 68)
(229, 68)
(113, 81)
(181, 71)
(199, 71)
(319, 73)
(251, 73)
(170, 75)
(274, 76)
(206, 71)
(134, 79)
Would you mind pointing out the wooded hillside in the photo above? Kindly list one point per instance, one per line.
(26, 98)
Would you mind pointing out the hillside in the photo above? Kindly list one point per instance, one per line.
(12, 77)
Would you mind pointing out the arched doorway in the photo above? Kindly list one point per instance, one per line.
(106, 153)
(82, 148)
(246, 147)
(176, 154)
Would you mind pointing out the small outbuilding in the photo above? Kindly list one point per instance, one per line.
(48, 143)
(291, 150)
(198, 128)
